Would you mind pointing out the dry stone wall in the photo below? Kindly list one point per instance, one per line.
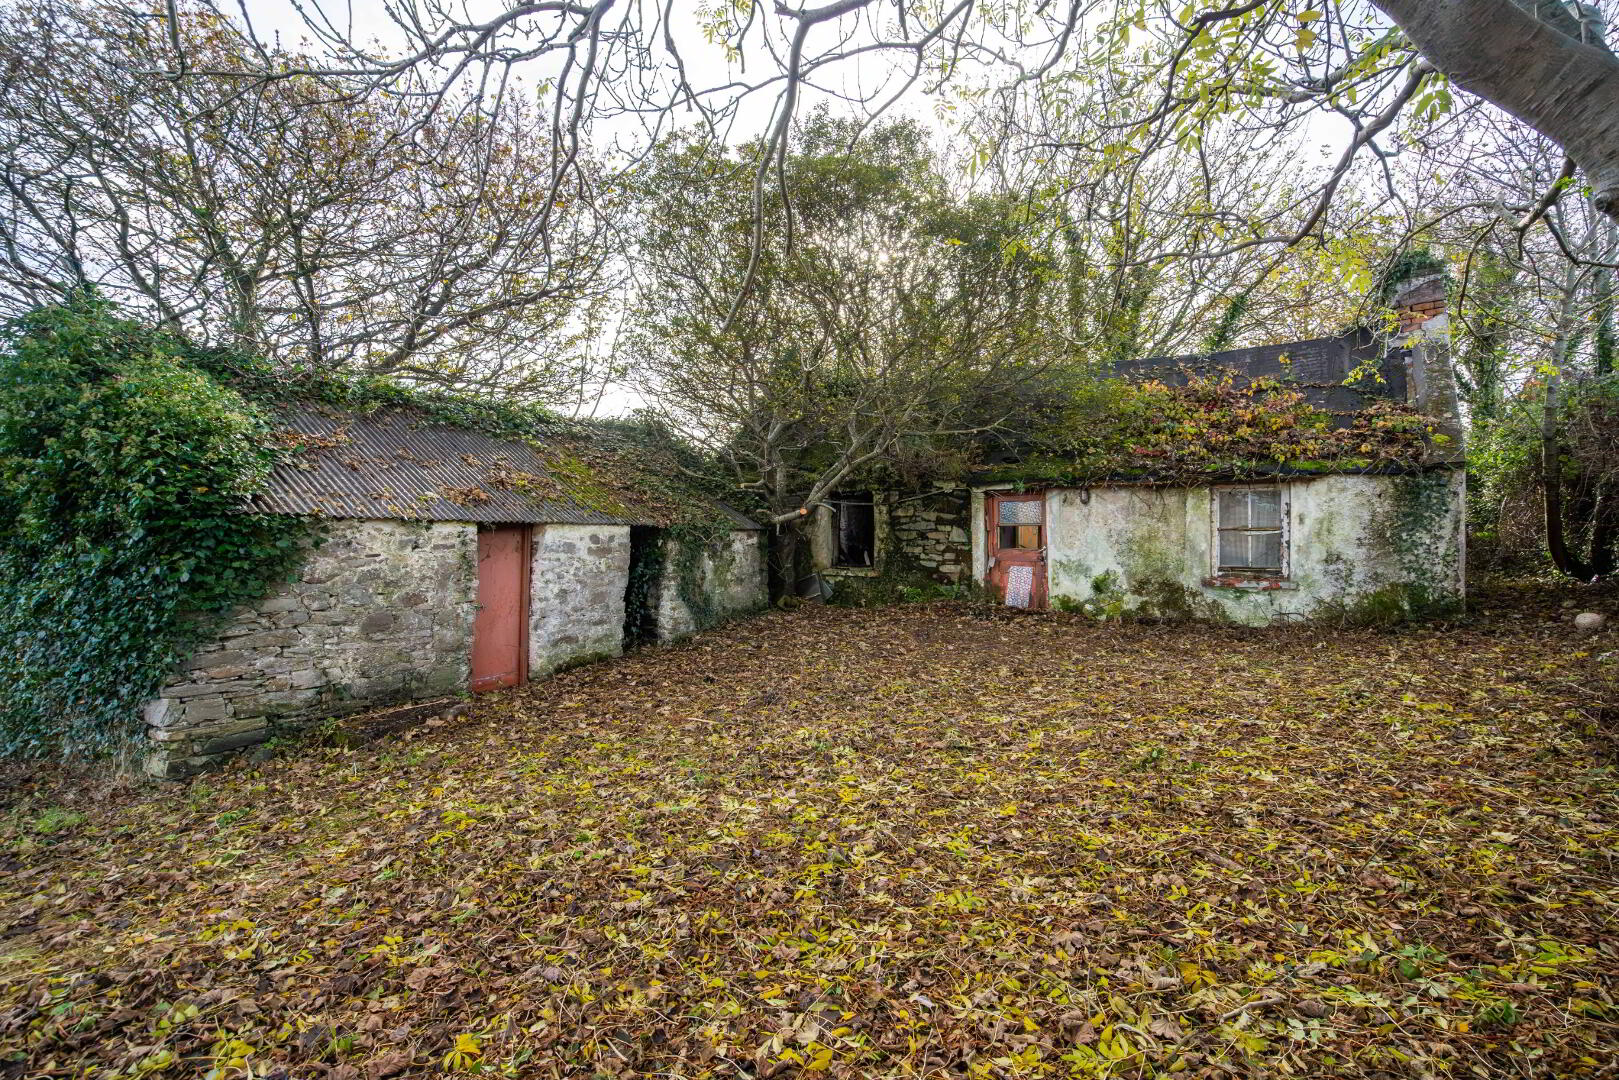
(381, 612)
(932, 532)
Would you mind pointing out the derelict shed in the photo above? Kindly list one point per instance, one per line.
(452, 560)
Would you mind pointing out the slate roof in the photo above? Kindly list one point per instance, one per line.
(398, 463)
(1317, 368)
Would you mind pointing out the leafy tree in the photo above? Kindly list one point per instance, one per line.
(889, 316)
(286, 217)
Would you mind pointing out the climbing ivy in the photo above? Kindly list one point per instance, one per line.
(124, 463)
(1217, 425)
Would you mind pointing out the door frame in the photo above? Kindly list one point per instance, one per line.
(525, 572)
(1039, 589)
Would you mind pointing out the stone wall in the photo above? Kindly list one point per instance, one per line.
(576, 610)
(730, 574)
(930, 532)
(924, 532)
(380, 613)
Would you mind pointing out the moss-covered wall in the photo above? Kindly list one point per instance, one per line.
(922, 537)
(1361, 548)
(704, 584)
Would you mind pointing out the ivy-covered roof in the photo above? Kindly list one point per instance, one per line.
(1340, 376)
(400, 462)
(1329, 405)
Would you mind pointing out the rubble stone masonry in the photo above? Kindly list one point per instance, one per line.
(381, 612)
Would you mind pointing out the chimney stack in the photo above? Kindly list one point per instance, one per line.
(1418, 303)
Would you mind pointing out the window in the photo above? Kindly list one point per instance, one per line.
(1249, 531)
(854, 528)
(1018, 523)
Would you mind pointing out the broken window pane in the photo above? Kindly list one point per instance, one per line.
(1024, 537)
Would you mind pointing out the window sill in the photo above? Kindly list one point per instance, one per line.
(851, 571)
(1252, 584)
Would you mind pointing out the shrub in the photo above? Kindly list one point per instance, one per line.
(124, 466)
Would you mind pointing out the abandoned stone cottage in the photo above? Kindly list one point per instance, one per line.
(1251, 543)
(452, 561)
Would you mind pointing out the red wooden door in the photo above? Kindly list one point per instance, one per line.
(1016, 525)
(500, 632)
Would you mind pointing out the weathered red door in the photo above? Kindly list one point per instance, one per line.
(1016, 526)
(500, 632)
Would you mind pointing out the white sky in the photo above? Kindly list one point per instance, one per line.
(706, 65)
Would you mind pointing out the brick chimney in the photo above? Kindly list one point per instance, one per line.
(1418, 303)
(1424, 339)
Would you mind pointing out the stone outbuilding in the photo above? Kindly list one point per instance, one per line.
(451, 561)
(1251, 542)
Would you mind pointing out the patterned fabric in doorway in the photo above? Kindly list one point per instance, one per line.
(1019, 586)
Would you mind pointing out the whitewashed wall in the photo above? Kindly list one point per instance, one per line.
(731, 574)
(1353, 540)
(576, 605)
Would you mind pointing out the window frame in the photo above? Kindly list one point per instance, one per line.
(836, 502)
(1285, 523)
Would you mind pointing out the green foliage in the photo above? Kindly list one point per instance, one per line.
(1408, 265)
(901, 586)
(123, 467)
(1504, 467)
(1224, 333)
(1214, 425)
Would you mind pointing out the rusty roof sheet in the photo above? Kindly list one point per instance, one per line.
(399, 464)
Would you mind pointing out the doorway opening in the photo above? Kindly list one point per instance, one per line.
(644, 584)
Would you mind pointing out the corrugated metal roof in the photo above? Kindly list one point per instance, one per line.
(398, 463)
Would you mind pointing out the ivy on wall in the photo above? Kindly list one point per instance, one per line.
(126, 456)
(1217, 425)
(124, 463)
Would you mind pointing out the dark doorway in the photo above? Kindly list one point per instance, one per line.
(854, 527)
(645, 582)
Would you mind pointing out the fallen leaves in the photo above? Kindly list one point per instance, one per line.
(867, 844)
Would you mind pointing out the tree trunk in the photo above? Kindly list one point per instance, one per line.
(789, 554)
(1537, 69)
(1551, 441)
(1551, 482)
(1605, 532)
(1602, 313)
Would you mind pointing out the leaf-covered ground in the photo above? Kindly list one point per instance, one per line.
(906, 842)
